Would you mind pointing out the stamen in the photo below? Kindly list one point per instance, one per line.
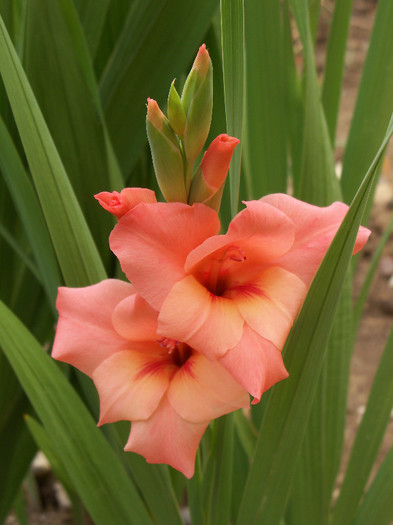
(168, 344)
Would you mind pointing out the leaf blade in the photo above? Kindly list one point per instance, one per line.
(76, 252)
(232, 37)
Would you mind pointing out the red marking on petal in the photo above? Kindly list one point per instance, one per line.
(187, 368)
(248, 290)
(153, 367)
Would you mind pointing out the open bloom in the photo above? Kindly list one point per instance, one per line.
(169, 391)
(232, 297)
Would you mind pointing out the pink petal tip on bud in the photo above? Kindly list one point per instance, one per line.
(202, 60)
(209, 179)
(216, 160)
(154, 114)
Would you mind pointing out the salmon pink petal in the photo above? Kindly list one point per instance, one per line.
(135, 320)
(262, 232)
(167, 438)
(203, 390)
(270, 305)
(85, 335)
(207, 323)
(120, 203)
(255, 363)
(315, 229)
(152, 244)
(131, 384)
(216, 160)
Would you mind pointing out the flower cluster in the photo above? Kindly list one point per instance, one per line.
(203, 323)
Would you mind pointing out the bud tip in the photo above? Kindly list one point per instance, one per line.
(202, 60)
(154, 113)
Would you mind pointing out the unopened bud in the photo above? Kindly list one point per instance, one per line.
(176, 113)
(167, 157)
(209, 179)
(120, 203)
(197, 100)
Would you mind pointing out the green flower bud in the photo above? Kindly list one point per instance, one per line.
(176, 113)
(197, 100)
(167, 157)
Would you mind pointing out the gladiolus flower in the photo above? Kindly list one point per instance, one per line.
(232, 297)
(165, 388)
(120, 203)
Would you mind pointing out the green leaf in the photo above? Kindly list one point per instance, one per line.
(194, 494)
(246, 433)
(20, 252)
(317, 154)
(13, 13)
(92, 15)
(293, 95)
(377, 506)
(321, 450)
(265, 150)
(76, 252)
(283, 428)
(374, 103)
(93, 467)
(26, 203)
(368, 440)
(71, 107)
(20, 509)
(334, 68)
(232, 39)
(115, 19)
(16, 445)
(241, 466)
(44, 443)
(365, 289)
(221, 482)
(158, 40)
(154, 484)
(314, 7)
